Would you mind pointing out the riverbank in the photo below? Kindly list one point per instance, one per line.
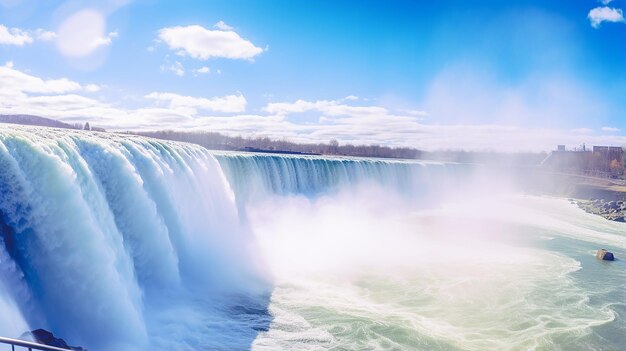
(611, 210)
(600, 196)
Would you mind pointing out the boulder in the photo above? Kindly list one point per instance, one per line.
(604, 255)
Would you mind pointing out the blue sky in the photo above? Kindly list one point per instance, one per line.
(515, 75)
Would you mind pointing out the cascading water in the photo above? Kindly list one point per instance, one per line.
(257, 176)
(128, 243)
(125, 236)
(106, 238)
(411, 255)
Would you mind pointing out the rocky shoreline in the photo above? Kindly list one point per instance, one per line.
(611, 210)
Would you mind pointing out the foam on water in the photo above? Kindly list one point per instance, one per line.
(363, 276)
(128, 243)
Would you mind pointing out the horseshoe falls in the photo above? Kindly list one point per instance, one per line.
(123, 243)
(117, 242)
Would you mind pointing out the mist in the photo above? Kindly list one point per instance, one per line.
(470, 268)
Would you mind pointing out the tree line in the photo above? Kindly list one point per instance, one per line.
(217, 141)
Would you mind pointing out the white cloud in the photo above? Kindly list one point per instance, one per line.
(611, 129)
(20, 37)
(17, 82)
(82, 33)
(67, 100)
(189, 104)
(203, 70)
(55, 98)
(415, 112)
(14, 36)
(401, 131)
(604, 14)
(45, 35)
(605, 2)
(91, 88)
(177, 68)
(201, 43)
(223, 26)
(62, 99)
(105, 41)
(328, 107)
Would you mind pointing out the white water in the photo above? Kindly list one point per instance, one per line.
(257, 176)
(466, 276)
(118, 242)
(443, 257)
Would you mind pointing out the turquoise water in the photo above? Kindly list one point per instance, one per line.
(116, 242)
(464, 276)
(427, 256)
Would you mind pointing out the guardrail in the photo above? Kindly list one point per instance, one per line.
(28, 345)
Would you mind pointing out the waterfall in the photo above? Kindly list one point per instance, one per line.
(259, 175)
(99, 231)
(129, 243)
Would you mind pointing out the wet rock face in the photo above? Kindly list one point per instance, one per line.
(45, 337)
(604, 255)
(611, 210)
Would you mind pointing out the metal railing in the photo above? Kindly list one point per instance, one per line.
(28, 345)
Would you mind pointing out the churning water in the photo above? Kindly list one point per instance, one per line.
(118, 242)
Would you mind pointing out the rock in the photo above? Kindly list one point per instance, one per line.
(610, 210)
(45, 337)
(604, 255)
